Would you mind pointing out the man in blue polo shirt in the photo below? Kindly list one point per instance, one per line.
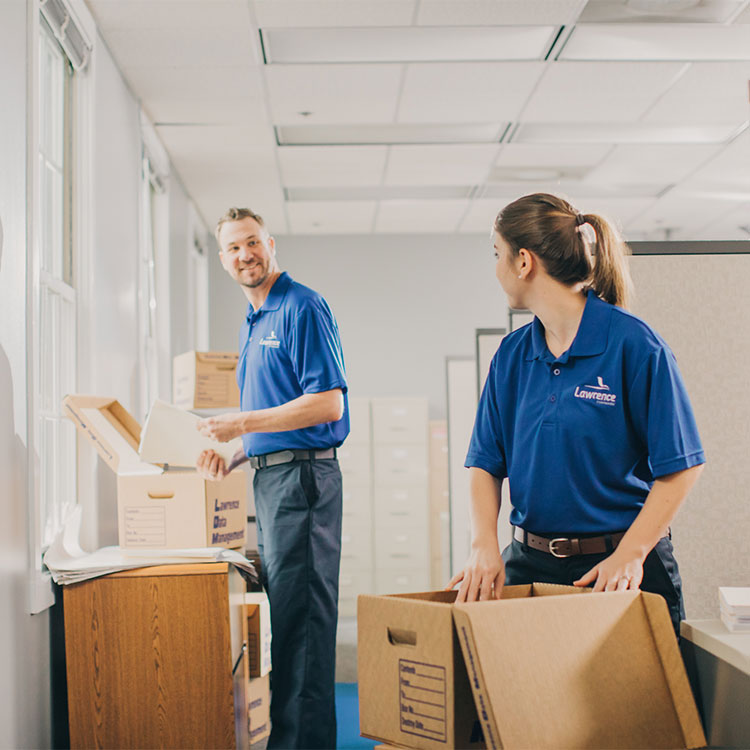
(293, 415)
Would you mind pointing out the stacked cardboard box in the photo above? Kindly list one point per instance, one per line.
(158, 508)
(257, 638)
(205, 380)
(545, 667)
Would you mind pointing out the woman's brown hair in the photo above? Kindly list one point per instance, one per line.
(553, 230)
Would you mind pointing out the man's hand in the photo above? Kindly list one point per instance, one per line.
(210, 465)
(483, 575)
(224, 427)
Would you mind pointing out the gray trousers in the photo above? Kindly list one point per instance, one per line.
(298, 510)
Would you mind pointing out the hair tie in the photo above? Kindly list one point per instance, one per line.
(580, 219)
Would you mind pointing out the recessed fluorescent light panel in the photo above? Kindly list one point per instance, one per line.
(407, 44)
(659, 42)
(388, 133)
(378, 192)
(620, 133)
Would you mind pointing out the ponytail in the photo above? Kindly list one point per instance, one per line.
(573, 247)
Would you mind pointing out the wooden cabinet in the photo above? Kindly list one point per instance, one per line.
(154, 659)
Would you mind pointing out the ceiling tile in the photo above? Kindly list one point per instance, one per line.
(743, 17)
(320, 217)
(728, 171)
(650, 164)
(707, 94)
(163, 48)
(735, 225)
(330, 13)
(213, 147)
(481, 218)
(425, 217)
(658, 42)
(497, 12)
(467, 92)
(318, 166)
(617, 11)
(554, 156)
(679, 216)
(439, 165)
(333, 93)
(168, 15)
(598, 92)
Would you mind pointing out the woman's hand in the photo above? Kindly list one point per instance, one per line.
(618, 572)
(483, 575)
(224, 427)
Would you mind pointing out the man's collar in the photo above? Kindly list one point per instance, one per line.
(590, 340)
(275, 294)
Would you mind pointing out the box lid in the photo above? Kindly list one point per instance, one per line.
(228, 358)
(623, 685)
(114, 432)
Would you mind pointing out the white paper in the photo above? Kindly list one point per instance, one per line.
(68, 563)
(170, 436)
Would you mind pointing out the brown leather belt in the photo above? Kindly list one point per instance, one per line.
(566, 547)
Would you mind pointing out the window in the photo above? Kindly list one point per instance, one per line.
(197, 282)
(55, 314)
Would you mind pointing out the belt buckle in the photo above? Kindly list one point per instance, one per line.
(554, 542)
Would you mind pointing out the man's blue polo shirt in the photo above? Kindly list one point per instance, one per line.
(288, 347)
(581, 437)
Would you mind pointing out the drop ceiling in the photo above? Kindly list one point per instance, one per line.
(421, 116)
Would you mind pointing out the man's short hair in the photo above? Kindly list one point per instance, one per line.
(238, 214)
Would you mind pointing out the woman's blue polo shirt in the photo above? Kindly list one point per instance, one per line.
(581, 437)
(288, 347)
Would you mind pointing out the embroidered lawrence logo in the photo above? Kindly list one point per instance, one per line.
(600, 393)
(271, 341)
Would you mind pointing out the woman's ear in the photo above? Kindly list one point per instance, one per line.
(525, 263)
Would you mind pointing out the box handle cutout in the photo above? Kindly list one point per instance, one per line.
(160, 495)
(399, 637)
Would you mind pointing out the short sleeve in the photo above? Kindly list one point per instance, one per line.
(663, 415)
(315, 349)
(486, 449)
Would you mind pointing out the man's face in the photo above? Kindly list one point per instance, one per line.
(247, 252)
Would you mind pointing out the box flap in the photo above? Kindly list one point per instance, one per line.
(219, 358)
(594, 677)
(114, 432)
(674, 669)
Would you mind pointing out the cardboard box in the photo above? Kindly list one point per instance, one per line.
(159, 509)
(548, 667)
(258, 694)
(205, 380)
(258, 616)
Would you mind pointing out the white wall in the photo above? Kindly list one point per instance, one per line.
(403, 303)
(24, 639)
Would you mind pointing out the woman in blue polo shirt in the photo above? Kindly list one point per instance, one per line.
(585, 411)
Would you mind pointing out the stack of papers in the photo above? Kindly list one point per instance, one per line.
(68, 563)
(734, 603)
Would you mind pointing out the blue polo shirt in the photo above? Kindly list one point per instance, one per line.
(582, 436)
(288, 347)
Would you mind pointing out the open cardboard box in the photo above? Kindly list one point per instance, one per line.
(545, 667)
(156, 508)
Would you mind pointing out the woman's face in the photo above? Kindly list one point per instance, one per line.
(506, 271)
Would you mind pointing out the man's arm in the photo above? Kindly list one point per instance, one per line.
(305, 411)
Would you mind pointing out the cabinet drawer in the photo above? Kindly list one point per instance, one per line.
(402, 420)
(356, 546)
(401, 504)
(401, 547)
(394, 581)
(354, 460)
(400, 462)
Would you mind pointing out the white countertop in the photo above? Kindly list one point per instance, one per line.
(713, 636)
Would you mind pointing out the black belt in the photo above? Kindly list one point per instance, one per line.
(287, 457)
(567, 547)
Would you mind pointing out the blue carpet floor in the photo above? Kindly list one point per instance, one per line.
(347, 718)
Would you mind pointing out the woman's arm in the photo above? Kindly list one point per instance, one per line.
(623, 569)
(483, 575)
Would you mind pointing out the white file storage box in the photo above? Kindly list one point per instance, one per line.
(157, 508)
